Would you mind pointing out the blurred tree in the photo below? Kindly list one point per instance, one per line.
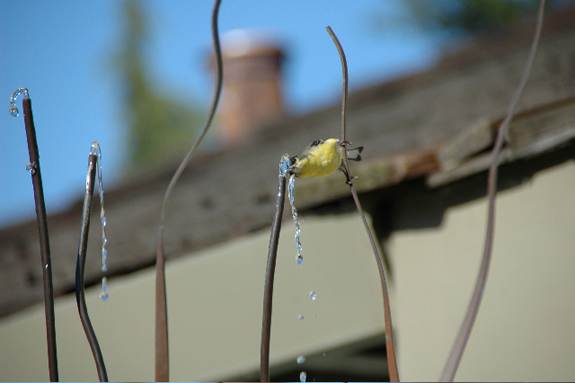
(449, 19)
(160, 127)
(469, 16)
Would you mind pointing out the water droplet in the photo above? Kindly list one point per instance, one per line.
(302, 376)
(291, 187)
(300, 359)
(299, 257)
(314, 316)
(104, 259)
(284, 165)
(312, 295)
(14, 112)
(31, 168)
(104, 294)
(97, 150)
(300, 317)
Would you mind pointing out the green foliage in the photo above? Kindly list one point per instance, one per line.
(471, 16)
(160, 126)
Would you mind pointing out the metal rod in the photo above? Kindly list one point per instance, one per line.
(460, 343)
(161, 348)
(269, 280)
(44, 239)
(389, 345)
(80, 266)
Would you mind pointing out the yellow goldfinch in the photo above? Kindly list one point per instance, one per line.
(322, 158)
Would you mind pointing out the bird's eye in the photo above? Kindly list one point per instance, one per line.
(292, 161)
(316, 142)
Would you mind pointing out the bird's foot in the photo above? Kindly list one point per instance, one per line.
(343, 144)
(349, 180)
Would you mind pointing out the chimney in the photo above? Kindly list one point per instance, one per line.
(251, 95)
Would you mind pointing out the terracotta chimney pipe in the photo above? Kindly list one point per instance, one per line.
(252, 93)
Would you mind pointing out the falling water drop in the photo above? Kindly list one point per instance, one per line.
(14, 112)
(299, 257)
(300, 317)
(104, 258)
(302, 376)
(300, 359)
(104, 294)
(284, 165)
(31, 168)
(95, 149)
(312, 295)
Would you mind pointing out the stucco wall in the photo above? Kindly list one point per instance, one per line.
(525, 330)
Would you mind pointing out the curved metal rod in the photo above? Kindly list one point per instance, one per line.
(463, 336)
(162, 357)
(34, 168)
(391, 359)
(80, 265)
(270, 270)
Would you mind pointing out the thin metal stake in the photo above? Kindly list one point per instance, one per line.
(161, 348)
(465, 331)
(269, 278)
(389, 343)
(80, 266)
(34, 169)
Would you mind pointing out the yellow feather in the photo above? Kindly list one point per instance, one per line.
(318, 160)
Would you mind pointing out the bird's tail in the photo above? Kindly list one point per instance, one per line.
(353, 154)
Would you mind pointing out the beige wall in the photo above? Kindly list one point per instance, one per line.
(525, 329)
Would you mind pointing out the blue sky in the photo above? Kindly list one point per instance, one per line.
(62, 52)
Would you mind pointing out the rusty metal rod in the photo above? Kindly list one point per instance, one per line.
(389, 344)
(161, 347)
(465, 331)
(44, 239)
(269, 279)
(80, 266)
